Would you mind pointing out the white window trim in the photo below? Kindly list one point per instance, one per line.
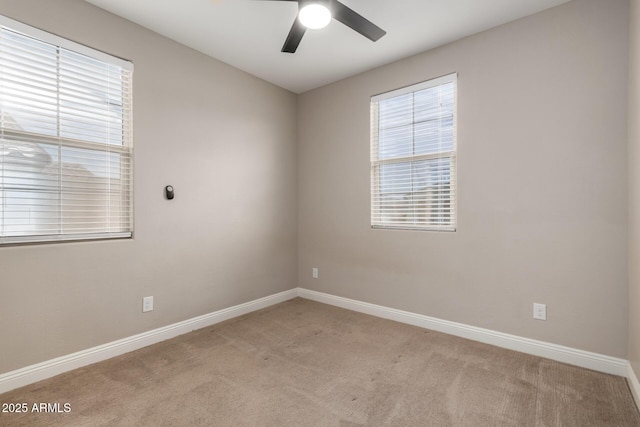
(126, 149)
(449, 78)
(62, 42)
(453, 154)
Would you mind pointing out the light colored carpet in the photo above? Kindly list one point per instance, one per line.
(301, 363)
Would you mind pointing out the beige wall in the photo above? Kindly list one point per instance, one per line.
(224, 139)
(542, 191)
(634, 185)
(542, 184)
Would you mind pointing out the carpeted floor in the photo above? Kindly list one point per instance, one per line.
(301, 363)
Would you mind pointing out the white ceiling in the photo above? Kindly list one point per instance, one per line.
(248, 34)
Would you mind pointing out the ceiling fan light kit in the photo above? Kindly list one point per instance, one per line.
(315, 14)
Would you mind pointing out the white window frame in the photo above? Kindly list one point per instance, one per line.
(124, 151)
(380, 218)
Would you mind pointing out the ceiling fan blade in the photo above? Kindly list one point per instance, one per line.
(356, 22)
(294, 37)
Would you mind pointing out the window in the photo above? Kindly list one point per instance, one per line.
(65, 139)
(413, 157)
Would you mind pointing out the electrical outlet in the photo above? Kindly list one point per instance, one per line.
(147, 304)
(314, 272)
(539, 311)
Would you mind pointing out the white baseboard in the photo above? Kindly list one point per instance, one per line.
(50, 368)
(634, 385)
(30, 374)
(585, 359)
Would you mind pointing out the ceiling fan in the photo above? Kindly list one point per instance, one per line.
(315, 14)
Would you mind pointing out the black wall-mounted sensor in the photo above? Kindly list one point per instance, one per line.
(168, 191)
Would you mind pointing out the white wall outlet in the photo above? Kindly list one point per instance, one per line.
(539, 311)
(314, 272)
(147, 304)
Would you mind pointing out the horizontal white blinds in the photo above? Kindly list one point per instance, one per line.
(413, 157)
(65, 139)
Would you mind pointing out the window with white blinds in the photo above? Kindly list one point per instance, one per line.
(413, 157)
(65, 139)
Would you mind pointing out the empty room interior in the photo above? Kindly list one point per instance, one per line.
(425, 213)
